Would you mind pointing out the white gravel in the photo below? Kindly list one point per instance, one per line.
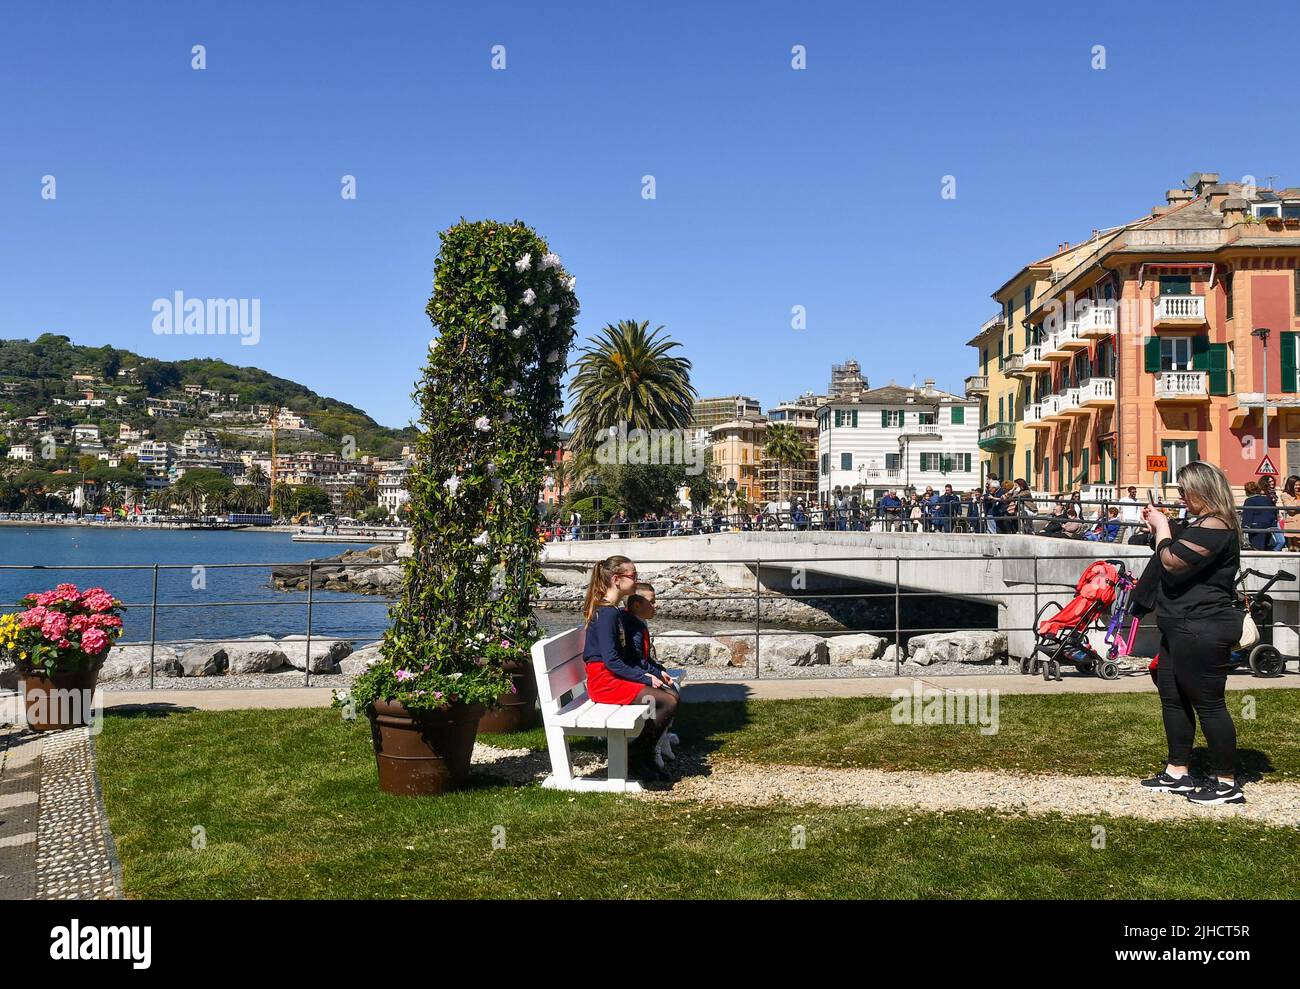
(750, 785)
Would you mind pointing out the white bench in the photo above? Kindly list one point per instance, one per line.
(567, 710)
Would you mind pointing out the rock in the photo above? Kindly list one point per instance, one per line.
(975, 646)
(204, 660)
(690, 649)
(922, 657)
(8, 675)
(357, 661)
(131, 662)
(890, 655)
(740, 645)
(796, 649)
(326, 654)
(853, 648)
(260, 654)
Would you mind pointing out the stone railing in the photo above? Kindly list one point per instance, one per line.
(1179, 307)
(1182, 384)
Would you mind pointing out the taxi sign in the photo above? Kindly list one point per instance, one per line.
(1157, 465)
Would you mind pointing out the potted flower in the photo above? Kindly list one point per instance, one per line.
(490, 399)
(59, 643)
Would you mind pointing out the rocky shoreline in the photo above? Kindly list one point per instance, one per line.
(376, 570)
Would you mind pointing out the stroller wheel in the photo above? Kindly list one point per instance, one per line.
(1266, 661)
(1051, 670)
(1026, 665)
(1108, 669)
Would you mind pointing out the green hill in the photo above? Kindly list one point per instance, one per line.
(34, 373)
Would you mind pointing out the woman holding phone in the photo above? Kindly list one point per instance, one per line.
(1189, 585)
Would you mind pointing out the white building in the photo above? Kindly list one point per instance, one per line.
(897, 439)
(392, 488)
(22, 451)
(85, 433)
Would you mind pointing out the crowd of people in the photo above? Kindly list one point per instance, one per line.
(1269, 517)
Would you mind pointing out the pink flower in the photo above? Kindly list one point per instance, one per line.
(106, 621)
(505, 643)
(97, 599)
(55, 625)
(93, 641)
(33, 616)
(404, 675)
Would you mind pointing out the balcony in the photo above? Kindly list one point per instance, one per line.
(929, 430)
(1064, 341)
(1178, 310)
(977, 384)
(1034, 417)
(1098, 321)
(1072, 405)
(998, 436)
(1014, 365)
(1035, 359)
(1184, 386)
(1051, 406)
(1097, 391)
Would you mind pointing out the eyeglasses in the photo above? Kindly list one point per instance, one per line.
(629, 576)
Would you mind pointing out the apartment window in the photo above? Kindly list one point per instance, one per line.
(1175, 353)
(1047, 474)
(1180, 454)
(1029, 467)
(929, 461)
(846, 461)
(958, 415)
(893, 461)
(927, 418)
(1002, 410)
(1001, 357)
(1227, 295)
(984, 359)
(826, 463)
(1028, 297)
(890, 419)
(1175, 284)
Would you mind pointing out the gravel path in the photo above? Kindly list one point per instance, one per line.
(749, 784)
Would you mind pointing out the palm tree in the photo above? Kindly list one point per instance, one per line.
(628, 375)
(785, 446)
(354, 499)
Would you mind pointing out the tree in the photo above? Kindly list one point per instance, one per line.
(354, 500)
(310, 498)
(627, 376)
(785, 446)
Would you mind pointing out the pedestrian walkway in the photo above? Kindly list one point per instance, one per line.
(55, 842)
(700, 689)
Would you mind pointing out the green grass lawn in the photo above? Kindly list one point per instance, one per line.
(1079, 734)
(289, 807)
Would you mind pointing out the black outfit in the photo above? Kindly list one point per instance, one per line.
(1189, 585)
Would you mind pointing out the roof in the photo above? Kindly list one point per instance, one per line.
(897, 395)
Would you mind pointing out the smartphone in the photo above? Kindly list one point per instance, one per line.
(1151, 497)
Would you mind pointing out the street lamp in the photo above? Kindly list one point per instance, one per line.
(731, 493)
(1262, 332)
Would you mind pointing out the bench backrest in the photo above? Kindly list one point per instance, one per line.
(559, 667)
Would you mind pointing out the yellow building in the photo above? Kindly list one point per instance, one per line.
(737, 450)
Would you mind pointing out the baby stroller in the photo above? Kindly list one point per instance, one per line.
(1062, 637)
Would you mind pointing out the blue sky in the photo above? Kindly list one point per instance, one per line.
(775, 187)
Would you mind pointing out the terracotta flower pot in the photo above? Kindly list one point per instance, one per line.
(61, 701)
(423, 754)
(518, 710)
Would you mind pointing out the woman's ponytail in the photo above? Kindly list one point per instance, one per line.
(602, 576)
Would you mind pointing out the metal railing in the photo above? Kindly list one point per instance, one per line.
(895, 621)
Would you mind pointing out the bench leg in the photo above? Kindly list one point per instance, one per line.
(617, 773)
(557, 743)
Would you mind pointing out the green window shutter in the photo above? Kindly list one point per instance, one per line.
(884, 418)
(1227, 294)
(1288, 341)
(839, 418)
(1200, 352)
(1152, 349)
(1216, 364)
(1296, 291)
(855, 418)
(958, 415)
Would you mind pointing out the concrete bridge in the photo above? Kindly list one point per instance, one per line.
(1015, 573)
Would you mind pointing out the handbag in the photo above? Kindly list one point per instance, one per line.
(1249, 633)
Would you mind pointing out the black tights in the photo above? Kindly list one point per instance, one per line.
(665, 708)
(1195, 656)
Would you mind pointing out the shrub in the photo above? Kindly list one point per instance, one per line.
(490, 400)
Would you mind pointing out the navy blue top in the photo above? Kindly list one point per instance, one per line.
(608, 642)
(638, 633)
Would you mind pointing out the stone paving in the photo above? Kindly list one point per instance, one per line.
(54, 837)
